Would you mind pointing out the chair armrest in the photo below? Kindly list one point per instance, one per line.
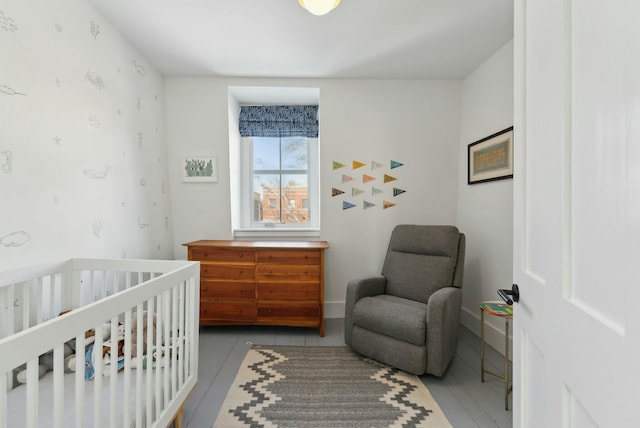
(357, 289)
(443, 319)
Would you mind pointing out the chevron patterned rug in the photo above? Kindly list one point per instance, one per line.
(324, 386)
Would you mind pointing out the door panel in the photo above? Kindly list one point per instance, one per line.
(576, 212)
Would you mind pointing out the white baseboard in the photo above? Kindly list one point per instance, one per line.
(334, 309)
(493, 336)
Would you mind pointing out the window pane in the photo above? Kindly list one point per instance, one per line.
(266, 197)
(294, 191)
(295, 153)
(266, 153)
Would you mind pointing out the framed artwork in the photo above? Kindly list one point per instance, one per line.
(199, 169)
(491, 158)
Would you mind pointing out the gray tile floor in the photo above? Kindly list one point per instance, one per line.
(466, 401)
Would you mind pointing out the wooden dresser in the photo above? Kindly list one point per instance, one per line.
(259, 282)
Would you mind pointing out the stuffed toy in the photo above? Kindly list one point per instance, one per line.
(45, 361)
(145, 330)
(88, 354)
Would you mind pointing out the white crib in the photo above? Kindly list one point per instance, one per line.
(107, 297)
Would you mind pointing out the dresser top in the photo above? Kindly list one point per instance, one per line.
(259, 244)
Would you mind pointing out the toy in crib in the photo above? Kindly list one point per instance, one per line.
(89, 355)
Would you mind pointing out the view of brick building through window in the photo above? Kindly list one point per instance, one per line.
(290, 207)
(280, 178)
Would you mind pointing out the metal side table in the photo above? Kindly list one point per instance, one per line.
(505, 311)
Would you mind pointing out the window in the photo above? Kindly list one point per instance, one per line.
(279, 168)
(279, 172)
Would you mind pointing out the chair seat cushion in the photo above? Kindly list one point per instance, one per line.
(392, 316)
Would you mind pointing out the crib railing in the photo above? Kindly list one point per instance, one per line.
(107, 297)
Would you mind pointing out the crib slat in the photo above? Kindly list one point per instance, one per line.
(25, 307)
(32, 393)
(39, 298)
(140, 371)
(52, 296)
(113, 371)
(97, 378)
(166, 396)
(58, 386)
(174, 343)
(152, 353)
(103, 284)
(158, 349)
(3, 400)
(79, 378)
(127, 367)
(181, 335)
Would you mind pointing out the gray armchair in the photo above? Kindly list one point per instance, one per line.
(408, 316)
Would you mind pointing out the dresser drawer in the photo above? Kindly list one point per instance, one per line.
(222, 255)
(227, 311)
(232, 272)
(302, 291)
(293, 257)
(226, 290)
(274, 272)
(293, 311)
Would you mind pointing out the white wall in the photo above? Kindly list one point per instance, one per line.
(413, 122)
(485, 210)
(82, 154)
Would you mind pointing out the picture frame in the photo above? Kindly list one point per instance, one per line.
(194, 169)
(491, 158)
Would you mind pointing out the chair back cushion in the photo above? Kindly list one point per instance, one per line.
(420, 260)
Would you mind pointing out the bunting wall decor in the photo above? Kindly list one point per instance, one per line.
(376, 172)
(338, 165)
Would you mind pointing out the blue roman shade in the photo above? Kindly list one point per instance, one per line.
(279, 121)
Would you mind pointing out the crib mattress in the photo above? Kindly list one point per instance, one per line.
(16, 400)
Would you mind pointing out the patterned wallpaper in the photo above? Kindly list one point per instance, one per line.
(83, 168)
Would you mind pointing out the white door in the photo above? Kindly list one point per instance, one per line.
(577, 213)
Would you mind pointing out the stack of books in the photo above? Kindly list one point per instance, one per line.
(497, 308)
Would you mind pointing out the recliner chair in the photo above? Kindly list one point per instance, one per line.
(408, 316)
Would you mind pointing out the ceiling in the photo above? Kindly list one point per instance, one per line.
(360, 39)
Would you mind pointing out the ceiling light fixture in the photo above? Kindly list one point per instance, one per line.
(319, 7)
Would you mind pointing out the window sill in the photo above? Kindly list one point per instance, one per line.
(276, 233)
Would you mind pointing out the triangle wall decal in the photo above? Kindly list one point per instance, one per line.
(367, 178)
(338, 165)
(357, 164)
(397, 191)
(388, 204)
(346, 205)
(388, 178)
(375, 165)
(336, 192)
(395, 164)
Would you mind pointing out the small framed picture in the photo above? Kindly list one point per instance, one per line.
(199, 169)
(491, 158)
